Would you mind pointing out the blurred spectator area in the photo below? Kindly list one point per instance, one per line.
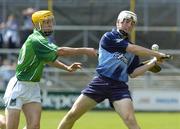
(158, 21)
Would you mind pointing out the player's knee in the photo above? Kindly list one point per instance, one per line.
(33, 126)
(130, 120)
(73, 115)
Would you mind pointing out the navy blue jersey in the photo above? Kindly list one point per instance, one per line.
(114, 62)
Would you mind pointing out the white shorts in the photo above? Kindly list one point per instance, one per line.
(19, 93)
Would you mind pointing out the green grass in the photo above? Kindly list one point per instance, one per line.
(110, 120)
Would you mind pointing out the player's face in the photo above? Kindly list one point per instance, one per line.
(127, 25)
(48, 26)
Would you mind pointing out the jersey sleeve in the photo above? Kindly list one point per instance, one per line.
(113, 43)
(45, 51)
(134, 64)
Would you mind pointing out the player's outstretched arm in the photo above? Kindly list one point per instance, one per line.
(68, 51)
(70, 68)
(142, 69)
(141, 51)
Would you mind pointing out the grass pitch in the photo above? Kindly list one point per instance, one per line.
(110, 120)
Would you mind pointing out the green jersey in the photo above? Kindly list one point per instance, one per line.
(33, 56)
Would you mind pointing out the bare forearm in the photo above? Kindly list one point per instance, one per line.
(68, 51)
(71, 68)
(142, 69)
(141, 51)
(59, 65)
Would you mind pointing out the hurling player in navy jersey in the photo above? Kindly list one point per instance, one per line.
(118, 59)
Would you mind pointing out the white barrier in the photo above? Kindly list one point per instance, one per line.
(156, 100)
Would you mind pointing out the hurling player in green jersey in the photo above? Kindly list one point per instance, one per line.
(23, 92)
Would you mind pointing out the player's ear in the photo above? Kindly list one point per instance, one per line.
(37, 26)
(118, 23)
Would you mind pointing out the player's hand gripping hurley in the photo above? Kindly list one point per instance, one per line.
(156, 68)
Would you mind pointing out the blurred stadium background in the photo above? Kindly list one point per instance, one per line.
(82, 23)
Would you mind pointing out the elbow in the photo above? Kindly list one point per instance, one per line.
(61, 52)
(131, 48)
(132, 76)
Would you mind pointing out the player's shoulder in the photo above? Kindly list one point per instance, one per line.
(36, 37)
(112, 34)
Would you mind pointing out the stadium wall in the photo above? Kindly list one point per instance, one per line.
(143, 100)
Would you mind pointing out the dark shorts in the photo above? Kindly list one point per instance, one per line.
(101, 88)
